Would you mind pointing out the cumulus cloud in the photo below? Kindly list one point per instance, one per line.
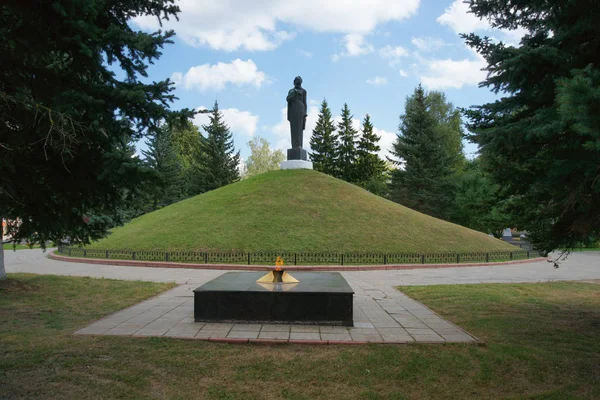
(393, 54)
(448, 73)
(250, 25)
(461, 20)
(354, 45)
(386, 142)
(216, 77)
(241, 123)
(427, 44)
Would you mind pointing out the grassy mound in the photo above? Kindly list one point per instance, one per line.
(297, 210)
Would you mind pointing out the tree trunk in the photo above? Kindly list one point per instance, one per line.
(2, 269)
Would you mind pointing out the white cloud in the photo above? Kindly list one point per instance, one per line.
(305, 53)
(427, 44)
(403, 73)
(393, 54)
(355, 45)
(204, 77)
(240, 122)
(253, 25)
(449, 73)
(377, 81)
(460, 20)
(386, 142)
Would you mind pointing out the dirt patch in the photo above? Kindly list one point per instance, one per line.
(15, 285)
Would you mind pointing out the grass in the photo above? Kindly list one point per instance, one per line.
(297, 210)
(542, 342)
(9, 246)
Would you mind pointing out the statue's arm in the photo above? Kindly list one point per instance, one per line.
(291, 95)
(305, 105)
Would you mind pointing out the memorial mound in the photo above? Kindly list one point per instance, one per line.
(294, 210)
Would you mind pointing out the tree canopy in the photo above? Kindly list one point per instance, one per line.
(262, 158)
(424, 159)
(541, 141)
(71, 102)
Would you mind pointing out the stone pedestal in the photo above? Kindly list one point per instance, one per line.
(296, 164)
(297, 153)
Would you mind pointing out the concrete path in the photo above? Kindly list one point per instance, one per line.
(381, 313)
(578, 267)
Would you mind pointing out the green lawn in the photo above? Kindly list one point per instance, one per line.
(542, 341)
(295, 210)
(10, 246)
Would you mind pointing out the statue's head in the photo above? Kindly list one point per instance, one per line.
(297, 81)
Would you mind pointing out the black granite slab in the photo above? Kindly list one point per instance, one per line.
(319, 298)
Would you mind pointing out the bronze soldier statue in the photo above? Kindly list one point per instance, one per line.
(296, 114)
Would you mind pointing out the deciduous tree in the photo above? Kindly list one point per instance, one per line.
(262, 158)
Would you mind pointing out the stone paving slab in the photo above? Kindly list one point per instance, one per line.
(382, 315)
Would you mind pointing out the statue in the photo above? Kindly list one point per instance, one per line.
(296, 114)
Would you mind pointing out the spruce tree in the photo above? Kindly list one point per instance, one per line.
(163, 158)
(71, 104)
(369, 166)
(421, 181)
(323, 142)
(346, 150)
(219, 161)
(540, 142)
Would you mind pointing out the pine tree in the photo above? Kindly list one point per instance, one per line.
(421, 181)
(71, 102)
(540, 142)
(346, 150)
(323, 142)
(219, 161)
(163, 158)
(369, 166)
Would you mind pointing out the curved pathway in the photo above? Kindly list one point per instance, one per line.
(579, 266)
(381, 313)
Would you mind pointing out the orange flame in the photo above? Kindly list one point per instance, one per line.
(278, 263)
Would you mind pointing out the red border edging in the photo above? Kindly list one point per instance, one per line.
(238, 267)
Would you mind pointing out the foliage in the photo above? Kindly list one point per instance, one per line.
(219, 162)
(262, 159)
(346, 151)
(67, 118)
(541, 140)
(369, 168)
(186, 142)
(476, 203)
(323, 142)
(163, 158)
(425, 163)
(294, 210)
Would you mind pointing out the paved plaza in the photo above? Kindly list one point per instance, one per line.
(381, 313)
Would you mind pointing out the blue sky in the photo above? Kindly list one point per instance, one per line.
(369, 54)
